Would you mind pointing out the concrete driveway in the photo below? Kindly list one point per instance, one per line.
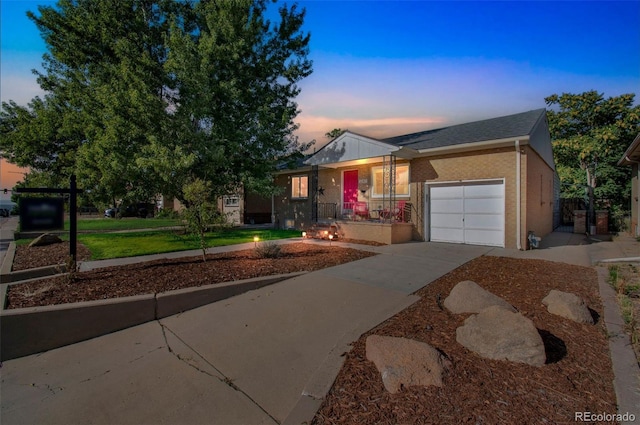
(267, 356)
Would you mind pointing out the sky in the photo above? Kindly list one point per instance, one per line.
(386, 68)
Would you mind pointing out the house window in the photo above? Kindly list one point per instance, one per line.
(402, 181)
(299, 187)
(231, 201)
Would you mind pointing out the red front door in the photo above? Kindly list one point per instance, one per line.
(350, 188)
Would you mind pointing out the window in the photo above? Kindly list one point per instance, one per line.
(402, 181)
(299, 187)
(231, 201)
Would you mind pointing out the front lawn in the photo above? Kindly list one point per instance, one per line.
(104, 224)
(116, 245)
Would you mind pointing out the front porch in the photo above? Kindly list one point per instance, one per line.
(366, 221)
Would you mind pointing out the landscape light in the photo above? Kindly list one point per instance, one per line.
(330, 239)
(255, 241)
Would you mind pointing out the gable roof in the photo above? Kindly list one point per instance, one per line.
(506, 127)
(352, 147)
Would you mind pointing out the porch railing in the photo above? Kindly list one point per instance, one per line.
(327, 210)
(398, 211)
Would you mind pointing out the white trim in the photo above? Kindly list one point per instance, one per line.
(299, 198)
(473, 146)
(372, 193)
(353, 147)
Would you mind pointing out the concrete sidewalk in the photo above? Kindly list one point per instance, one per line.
(267, 356)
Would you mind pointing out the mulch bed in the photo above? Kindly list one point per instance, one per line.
(166, 275)
(577, 377)
(49, 255)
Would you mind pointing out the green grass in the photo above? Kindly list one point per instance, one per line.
(101, 224)
(117, 245)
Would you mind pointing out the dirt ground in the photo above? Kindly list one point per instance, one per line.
(577, 377)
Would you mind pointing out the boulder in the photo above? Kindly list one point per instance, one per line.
(499, 334)
(45, 239)
(405, 362)
(469, 297)
(568, 305)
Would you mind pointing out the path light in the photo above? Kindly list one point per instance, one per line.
(304, 236)
(255, 241)
(330, 239)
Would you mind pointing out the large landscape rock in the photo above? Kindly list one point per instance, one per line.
(45, 239)
(469, 297)
(568, 305)
(499, 334)
(405, 362)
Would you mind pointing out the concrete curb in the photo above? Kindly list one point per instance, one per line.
(626, 372)
(7, 263)
(27, 331)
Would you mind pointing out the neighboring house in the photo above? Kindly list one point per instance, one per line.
(230, 205)
(632, 157)
(489, 182)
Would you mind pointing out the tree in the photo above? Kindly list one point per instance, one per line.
(200, 212)
(590, 134)
(234, 76)
(144, 96)
(334, 133)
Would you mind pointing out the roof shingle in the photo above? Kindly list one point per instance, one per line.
(515, 125)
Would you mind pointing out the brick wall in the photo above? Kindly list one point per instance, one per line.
(480, 165)
(538, 195)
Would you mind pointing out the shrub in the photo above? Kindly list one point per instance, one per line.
(268, 250)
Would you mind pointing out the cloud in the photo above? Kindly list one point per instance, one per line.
(386, 97)
(315, 127)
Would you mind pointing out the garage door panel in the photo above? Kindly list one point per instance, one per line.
(447, 235)
(447, 221)
(487, 221)
(447, 205)
(447, 192)
(483, 206)
(468, 213)
(484, 237)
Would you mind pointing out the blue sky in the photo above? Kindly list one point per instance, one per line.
(388, 68)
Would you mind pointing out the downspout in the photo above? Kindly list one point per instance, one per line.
(518, 196)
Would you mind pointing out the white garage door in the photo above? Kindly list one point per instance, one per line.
(468, 213)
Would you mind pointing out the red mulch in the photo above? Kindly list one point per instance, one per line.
(577, 377)
(166, 275)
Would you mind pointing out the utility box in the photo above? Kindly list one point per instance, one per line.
(602, 222)
(579, 221)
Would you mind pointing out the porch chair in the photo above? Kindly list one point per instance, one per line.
(398, 211)
(361, 209)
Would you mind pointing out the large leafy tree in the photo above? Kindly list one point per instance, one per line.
(144, 96)
(590, 134)
(233, 76)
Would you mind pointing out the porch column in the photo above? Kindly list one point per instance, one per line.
(389, 183)
(314, 193)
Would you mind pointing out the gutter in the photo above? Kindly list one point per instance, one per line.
(473, 146)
